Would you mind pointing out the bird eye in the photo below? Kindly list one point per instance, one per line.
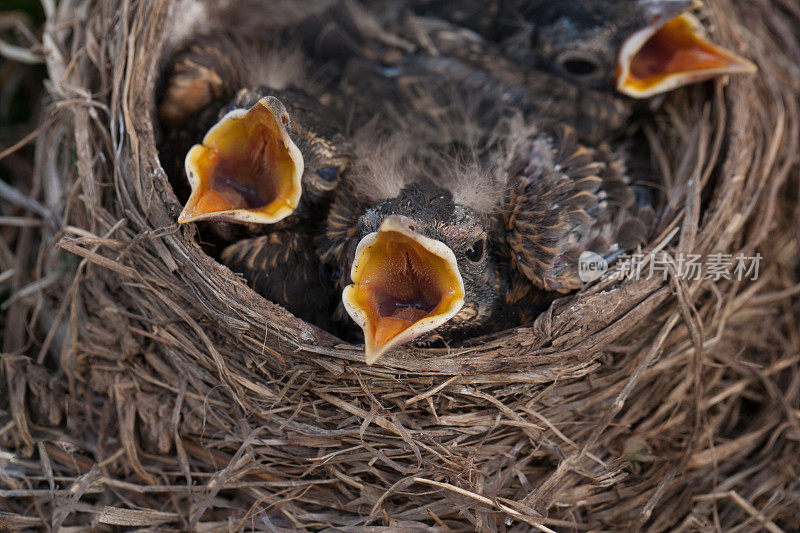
(475, 252)
(579, 65)
(328, 173)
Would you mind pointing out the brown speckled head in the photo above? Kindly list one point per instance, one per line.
(640, 48)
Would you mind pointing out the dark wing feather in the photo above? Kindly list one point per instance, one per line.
(338, 241)
(284, 268)
(567, 200)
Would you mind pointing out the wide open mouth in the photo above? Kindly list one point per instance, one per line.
(404, 285)
(246, 170)
(663, 57)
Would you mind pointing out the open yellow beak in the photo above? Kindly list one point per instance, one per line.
(404, 285)
(660, 58)
(247, 169)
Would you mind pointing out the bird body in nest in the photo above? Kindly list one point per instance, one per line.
(412, 254)
(457, 216)
(262, 158)
(429, 244)
(566, 199)
(251, 105)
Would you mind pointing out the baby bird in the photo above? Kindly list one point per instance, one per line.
(640, 48)
(266, 159)
(260, 158)
(469, 218)
(260, 144)
(411, 246)
(437, 247)
(582, 62)
(281, 265)
(476, 67)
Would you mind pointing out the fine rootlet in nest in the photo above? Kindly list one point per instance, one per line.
(407, 265)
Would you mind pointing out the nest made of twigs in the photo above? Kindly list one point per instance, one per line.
(148, 386)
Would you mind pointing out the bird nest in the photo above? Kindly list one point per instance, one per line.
(149, 386)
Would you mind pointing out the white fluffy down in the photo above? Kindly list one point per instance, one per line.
(387, 157)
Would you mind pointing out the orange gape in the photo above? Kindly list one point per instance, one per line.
(245, 165)
(400, 283)
(676, 49)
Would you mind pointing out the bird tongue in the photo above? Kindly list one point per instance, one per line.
(246, 164)
(213, 200)
(657, 60)
(389, 327)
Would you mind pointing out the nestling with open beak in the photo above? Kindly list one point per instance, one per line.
(283, 184)
(474, 167)
(262, 149)
(442, 249)
(276, 169)
(640, 48)
(582, 60)
(411, 243)
(264, 162)
(259, 161)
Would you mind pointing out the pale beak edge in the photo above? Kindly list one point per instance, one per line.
(205, 203)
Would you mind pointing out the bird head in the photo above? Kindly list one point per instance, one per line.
(256, 162)
(640, 48)
(422, 263)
